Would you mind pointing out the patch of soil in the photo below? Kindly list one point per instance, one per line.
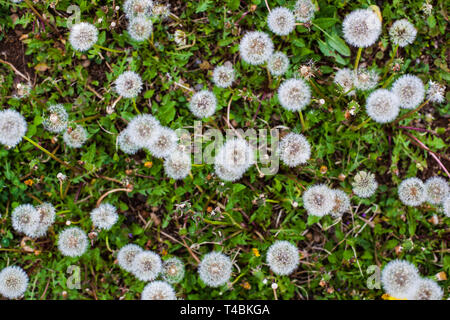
(97, 72)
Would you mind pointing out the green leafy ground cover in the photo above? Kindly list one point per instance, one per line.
(201, 212)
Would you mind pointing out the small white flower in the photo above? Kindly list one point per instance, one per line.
(75, 138)
(402, 32)
(398, 277)
(341, 203)
(146, 265)
(283, 258)
(223, 76)
(382, 106)
(140, 28)
(294, 149)
(126, 256)
(410, 91)
(256, 47)
(304, 10)
(365, 79)
(436, 92)
(294, 94)
(47, 214)
(364, 184)
(318, 200)
(141, 128)
(125, 143)
(158, 290)
(105, 216)
(173, 270)
(56, 121)
(412, 192)
(361, 28)
(215, 269)
(281, 21)
(178, 165)
(83, 36)
(137, 8)
(13, 282)
(278, 63)
(203, 104)
(73, 242)
(12, 127)
(25, 219)
(163, 142)
(425, 289)
(436, 190)
(235, 157)
(446, 205)
(128, 84)
(344, 78)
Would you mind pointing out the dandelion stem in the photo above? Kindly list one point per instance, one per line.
(135, 106)
(406, 115)
(360, 125)
(48, 153)
(304, 127)
(358, 57)
(386, 83)
(107, 49)
(99, 201)
(390, 61)
(311, 81)
(269, 77)
(88, 118)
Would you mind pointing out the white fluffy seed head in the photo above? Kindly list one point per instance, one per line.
(73, 242)
(141, 128)
(83, 36)
(25, 219)
(304, 10)
(382, 106)
(146, 265)
(173, 270)
(446, 205)
(128, 84)
(13, 282)
(203, 104)
(282, 257)
(177, 165)
(412, 192)
(364, 184)
(125, 143)
(278, 63)
(12, 127)
(341, 203)
(294, 149)
(365, 79)
(227, 175)
(281, 21)
(402, 32)
(215, 269)
(126, 256)
(425, 289)
(105, 216)
(236, 156)
(158, 290)
(410, 91)
(436, 92)
(76, 137)
(344, 78)
(398, 277)
(256, 47)
(140, 28)
(56, 121)
(318, 200)
(138, 8)
(436, 189)
(223, 76)
(361, 28)
(163, 142)
(47, 214)
(294, 94)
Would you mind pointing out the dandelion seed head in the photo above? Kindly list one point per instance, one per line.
(56, 121)
(163, 142)
(83, 36)
(361, 28)
(73, 242)
(126, 256)
(173, 270)
(402, 32)
(341, 203)
(282, 257)
(304, 10)
(140, 28)
(398, 277)
(410, 91)
(256, 47)
(215, 269)
(382, 106)
(345, 79)
(228, 175)
(75, 138)
(436, 92)
(278, 63)
(364, 184)
(223, 76)
(235, 156)
(365, 79)
(138, 8)
(281, 21)
(318, 200)
(126, 144)
(203, 104)
(436, 189)
(412, 192)
(158, 290)
(128, 84)
(446, 205)
(425, 289)
(12, 127)
(178, 165)
(105, 216)
(47, 214)
(294, 149)
(141, 128)
(146, 265)
(294, 94)
(25, 219)
(13, 282)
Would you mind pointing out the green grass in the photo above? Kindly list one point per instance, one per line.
(251, 213)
